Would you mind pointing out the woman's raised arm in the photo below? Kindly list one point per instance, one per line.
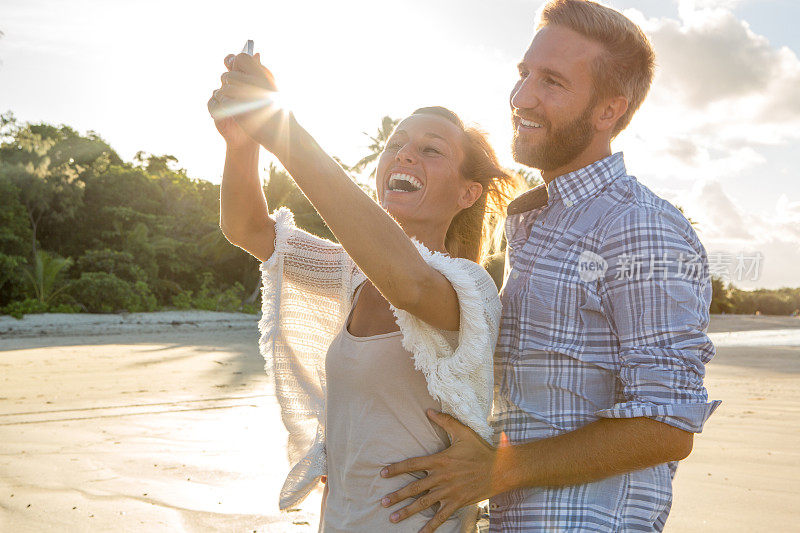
(243, 216)
(371, 237)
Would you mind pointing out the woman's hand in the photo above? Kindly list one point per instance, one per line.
(243, 106)
(235, 137)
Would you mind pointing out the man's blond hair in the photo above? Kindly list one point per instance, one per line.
(627, 66)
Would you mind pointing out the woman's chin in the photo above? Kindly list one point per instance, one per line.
(397, 214)
(403, 214)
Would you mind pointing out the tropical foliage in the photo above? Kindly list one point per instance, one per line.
(377, 143)
(81, 230)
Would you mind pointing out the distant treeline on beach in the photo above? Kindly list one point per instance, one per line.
(81, 230)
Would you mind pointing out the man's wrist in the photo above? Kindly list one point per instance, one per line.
(507, 469)
(514, 467)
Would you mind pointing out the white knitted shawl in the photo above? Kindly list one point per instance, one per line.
(308, 287)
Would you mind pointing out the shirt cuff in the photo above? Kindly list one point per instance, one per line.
(686, 416)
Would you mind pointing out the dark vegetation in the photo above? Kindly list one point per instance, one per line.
(81, 230)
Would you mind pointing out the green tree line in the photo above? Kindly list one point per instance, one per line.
(730, 299)
(81, 230)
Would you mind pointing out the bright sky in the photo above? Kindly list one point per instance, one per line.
(719, 133)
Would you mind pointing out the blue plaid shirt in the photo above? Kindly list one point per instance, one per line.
(605, 313)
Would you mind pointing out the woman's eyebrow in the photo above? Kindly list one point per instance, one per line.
(436, 136)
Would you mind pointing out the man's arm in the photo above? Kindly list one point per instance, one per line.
(470, 470)
(659, 313)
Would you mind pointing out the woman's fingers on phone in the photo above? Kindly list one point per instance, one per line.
(214, 105)
(237, 77)
(243, 92)
(252, 65)
(245, 63)
(229, 61)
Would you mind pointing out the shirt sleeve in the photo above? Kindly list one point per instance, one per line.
(656, 292)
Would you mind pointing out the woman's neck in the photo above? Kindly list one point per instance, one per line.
(432, 238)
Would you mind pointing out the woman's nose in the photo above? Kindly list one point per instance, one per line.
(406, 154)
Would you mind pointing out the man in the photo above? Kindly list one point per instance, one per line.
(600, 362)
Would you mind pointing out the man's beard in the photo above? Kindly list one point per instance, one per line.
(559, 147)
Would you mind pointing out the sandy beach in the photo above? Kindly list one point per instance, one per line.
(167, 422)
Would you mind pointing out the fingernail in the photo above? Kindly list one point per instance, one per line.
(385, 502)
(394, 517)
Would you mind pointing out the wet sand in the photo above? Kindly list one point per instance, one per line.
(174, 430)
(171, 425)
(744, 472)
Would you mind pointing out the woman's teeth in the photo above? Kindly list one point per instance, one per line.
(404, 182)
(529, 123)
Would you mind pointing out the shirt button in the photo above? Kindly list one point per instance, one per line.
(494, 506)
(568, 203)
(515, 275)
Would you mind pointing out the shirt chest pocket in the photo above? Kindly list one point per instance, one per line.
(561, 308)
(554, 291)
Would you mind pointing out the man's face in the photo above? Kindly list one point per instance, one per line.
(553, 101)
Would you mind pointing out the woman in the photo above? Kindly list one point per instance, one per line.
(365, 335)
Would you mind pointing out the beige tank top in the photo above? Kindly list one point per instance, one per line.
(375, 416)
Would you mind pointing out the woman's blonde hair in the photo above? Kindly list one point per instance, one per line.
(477, 232)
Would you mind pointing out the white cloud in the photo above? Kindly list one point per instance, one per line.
(722, 76)
(713, 57)
(723, 102)
(719, 212)
(729, 231)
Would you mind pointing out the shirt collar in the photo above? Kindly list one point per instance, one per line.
(572, 187)
(585, 182)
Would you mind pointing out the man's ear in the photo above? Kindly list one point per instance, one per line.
(471, 194)
(610, 112)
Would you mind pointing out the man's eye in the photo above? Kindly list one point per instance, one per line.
(523, 74)
(550, 81)
(429, 149)
(392, 146)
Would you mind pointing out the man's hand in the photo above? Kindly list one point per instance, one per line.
(466, 472)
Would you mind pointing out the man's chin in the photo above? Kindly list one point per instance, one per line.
(524, 154)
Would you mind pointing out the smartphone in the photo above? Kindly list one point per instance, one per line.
(248, 47)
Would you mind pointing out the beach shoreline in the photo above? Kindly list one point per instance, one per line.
(69, 324)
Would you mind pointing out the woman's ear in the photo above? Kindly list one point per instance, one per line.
(471, 195)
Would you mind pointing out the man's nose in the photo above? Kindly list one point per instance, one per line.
(524, 95)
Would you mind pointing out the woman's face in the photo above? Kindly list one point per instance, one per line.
(418, 178)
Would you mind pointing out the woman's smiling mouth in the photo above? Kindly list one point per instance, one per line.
(401, 182)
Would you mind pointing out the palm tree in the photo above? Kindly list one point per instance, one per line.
(378, 142)
(44, 275)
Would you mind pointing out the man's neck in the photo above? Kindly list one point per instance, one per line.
(584, 159)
